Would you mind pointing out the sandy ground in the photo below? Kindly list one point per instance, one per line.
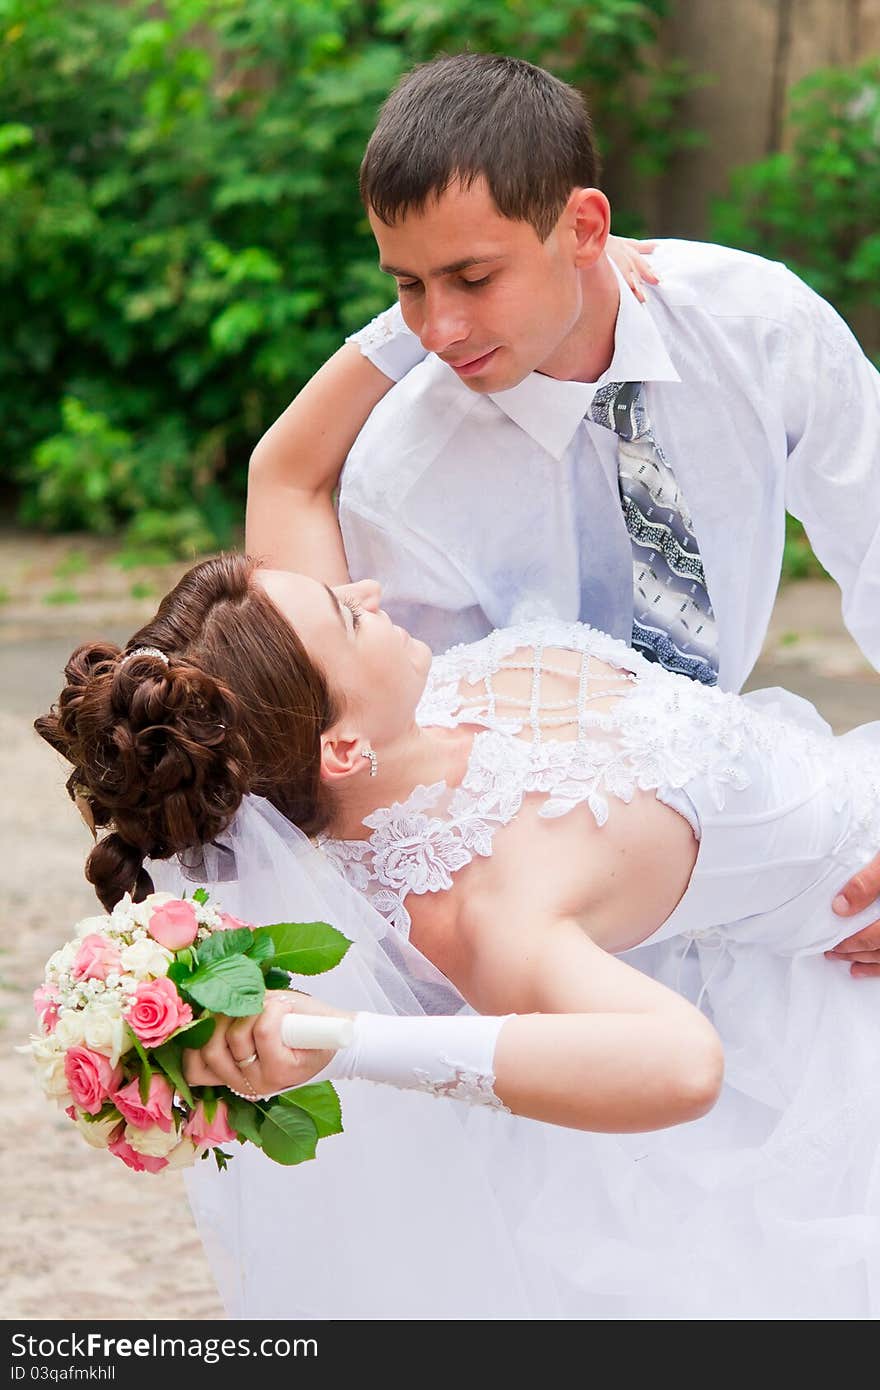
(84, 1237)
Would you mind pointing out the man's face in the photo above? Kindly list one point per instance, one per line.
(481, 291)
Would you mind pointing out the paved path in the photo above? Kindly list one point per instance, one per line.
(90, 1239)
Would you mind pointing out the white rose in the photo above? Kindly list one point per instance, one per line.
(105, 1030)
(61, 961)
(142, 912)
(183, 1156)
(145, 957)
(89, 925)
(154, 1142)
(49, 1058)
(70, 1029)
(98, 1133)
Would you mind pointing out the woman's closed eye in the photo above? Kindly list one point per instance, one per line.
(354, 610)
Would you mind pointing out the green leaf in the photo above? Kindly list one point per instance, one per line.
(233, 985)
(321, 1102)
(263, 948)
(144, 1084)
(305, 948)
(197, 1033)
(169, 1058)
(276, 979)
(225, 943)
(222, 1159)
(289, 1135)
(187, 957)
(200, 896)
(139, 1049)
(244, 1118)
(178, 972)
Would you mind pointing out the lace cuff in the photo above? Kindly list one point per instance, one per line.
(388, 344)
(446, 1056)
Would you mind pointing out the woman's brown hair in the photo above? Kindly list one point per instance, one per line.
(165, 753)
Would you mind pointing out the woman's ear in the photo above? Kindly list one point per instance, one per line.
(589, 216)
(341, 757)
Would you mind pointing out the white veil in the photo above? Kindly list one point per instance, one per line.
(397, 1216)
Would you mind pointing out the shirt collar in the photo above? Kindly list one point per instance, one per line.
(550, 410)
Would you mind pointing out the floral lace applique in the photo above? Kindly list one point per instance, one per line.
(662, 732)
(464, 1084)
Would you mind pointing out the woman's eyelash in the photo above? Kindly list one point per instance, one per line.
(352, 606)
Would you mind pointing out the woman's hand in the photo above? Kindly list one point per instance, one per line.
(629, 257)
(223, 1061)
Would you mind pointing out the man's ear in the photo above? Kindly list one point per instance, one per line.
(588, 216)
(341, 757)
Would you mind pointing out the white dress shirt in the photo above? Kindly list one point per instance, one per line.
(475, 510)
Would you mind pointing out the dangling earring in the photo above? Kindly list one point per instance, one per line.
(374, 761)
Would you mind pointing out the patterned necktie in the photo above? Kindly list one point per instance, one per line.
(673, 622)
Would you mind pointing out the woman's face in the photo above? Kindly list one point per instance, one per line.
(378, 668)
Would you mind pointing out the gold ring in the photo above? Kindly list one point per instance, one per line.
(246, 1061)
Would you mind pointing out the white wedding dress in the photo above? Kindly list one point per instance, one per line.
(769, 1207)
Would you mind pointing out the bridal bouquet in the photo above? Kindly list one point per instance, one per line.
(134, 988)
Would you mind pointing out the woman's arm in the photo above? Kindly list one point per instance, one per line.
(291, 518)
(592, 1044)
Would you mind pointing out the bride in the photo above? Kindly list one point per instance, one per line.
(508, 833)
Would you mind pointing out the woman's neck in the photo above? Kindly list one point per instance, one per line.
(419, 758)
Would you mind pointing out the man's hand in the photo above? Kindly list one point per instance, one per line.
(862, 950)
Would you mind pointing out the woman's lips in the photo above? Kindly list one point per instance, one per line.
(476, 364)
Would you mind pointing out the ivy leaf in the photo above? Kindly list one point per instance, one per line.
(289, 1135)
(232, 985)
(305, 948)
(321, 1102)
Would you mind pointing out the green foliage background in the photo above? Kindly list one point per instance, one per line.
(182, 242)
(816, 206)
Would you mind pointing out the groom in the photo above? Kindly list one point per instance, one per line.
(553, 444)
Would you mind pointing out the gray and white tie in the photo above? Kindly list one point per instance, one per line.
(673, 621)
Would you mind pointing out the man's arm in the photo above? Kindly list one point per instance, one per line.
(831, 410)
(832, 416)
(294, 469)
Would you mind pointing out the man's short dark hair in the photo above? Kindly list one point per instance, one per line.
(480, 114)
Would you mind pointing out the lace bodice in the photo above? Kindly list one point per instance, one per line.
(659, 735)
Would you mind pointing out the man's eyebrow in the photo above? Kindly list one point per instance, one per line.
(338, 606)
(443, 269)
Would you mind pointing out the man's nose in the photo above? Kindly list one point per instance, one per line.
(441, 327)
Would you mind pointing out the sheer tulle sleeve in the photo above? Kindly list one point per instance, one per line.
(388, 344)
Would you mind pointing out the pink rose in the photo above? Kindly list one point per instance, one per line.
(156, 1011)
(230, 923)
(156, 1111)
(141, 1163)
(204, 1132)
(174, 924)
(46, 1006)
(90, 1078)
(96, 957)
